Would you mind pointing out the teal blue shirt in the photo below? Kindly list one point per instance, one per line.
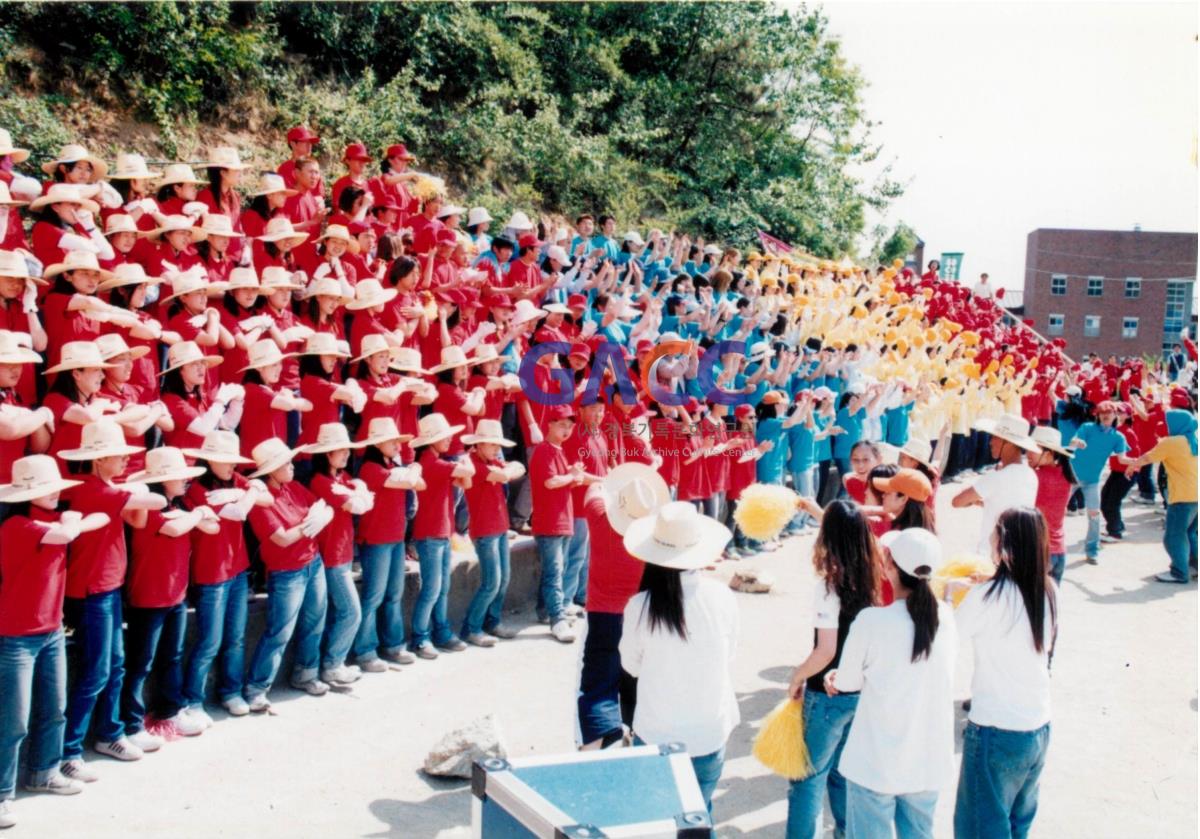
(1101, 444)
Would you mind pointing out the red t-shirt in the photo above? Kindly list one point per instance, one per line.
(741, 475)
(336, 541)
(591, 449)
(221, 556)
(285, 319)
(123, 397)
(341, 183)
(384, 523)
(716, 467)
(552, 510)
(613, 575)
(856, 488)
(144, 377)
(291, 505)
(493, 400)
(67, 435)
(63, 326)
(14, 319)
(183, 413)
(424, 232)
(319, 392)
(96, 560)
(693, 478)
(435, 506)
(450, 401)
(667, 440)
(11, 450)
(158, 566)
(259, 420)
(1052, 496)
(486, 501)
(33, 576)
(1130, 435)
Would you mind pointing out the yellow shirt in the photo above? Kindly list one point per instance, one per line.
(1176, 455)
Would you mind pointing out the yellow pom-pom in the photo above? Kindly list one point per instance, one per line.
(428, 186)
(965, 570)
(897, 263)
(780, 744)
(763, 510)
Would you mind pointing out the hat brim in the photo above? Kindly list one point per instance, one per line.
(206, 288)
(14, 495)
(385, 297)
(618, 479)
(21, 356)
(140, 351)
(383, 438)
(299, 238)
(1060, 449)
(147, 175)
(283, 356)
(710, 542)
(287, 193)
(197, 234)
(17, 155)
(282, 459)
(324, 448)
(217, 457)
(989, 427)
(441, 368)
(175, 181)
(184, 474)
(434, 438)
(209, 360)
(475, 439)
(405, 368)
(366, 355)
(336, 352)
(99, 167)
(119, 282)
(918, 459)
(47, 200)
(62, 268)
(87, 454)
(63, 366)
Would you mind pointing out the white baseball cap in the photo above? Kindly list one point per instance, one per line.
(916, 551)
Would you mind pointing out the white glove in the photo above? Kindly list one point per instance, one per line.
(29, 298)
(358, 401)
(195, 209)
(323, 270)
(85, 219)
(153, 327)
(173, 514)
(93, 521)
(230, 391)
(256, 322)
(219, 497)
(359, 504)
(47, 417)
(299, 332)
(231, 512)
(109, 197)
(71, 517)
(588, 329)
(339, 489)
(25, 188)
(149, 205)
(136, 488)
(199, 321)
(485, 329)
(401, 473)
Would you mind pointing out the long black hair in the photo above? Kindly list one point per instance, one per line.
(847, 556)
(1023, 545)
(922, 608)
(664, 590)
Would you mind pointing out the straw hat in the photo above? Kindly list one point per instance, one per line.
(132, 166)
(333, 436)
(917, 551)
(340, 232)
(323, 343)
(269, 455)
(111, 344)
(478, 215)
(77, 261)
(173, 224)
(13, 351)
(488, 431)
(219, 446)
(119, 223)
(6, 198)
(525, 311)
(676, 536)
(33, 477)
(270, 183)
(218, 224)
(264, 353)
(485, 353)
(102, 438)
(225, 157)
(920, 450)
(452, 357)
(186, 282)
(68, 194)
(276, 277)
(434, 427)
(383, 429)
(75, 153)
(7, 149)
(369, 293)
(371, 344)
(407, 360)
(1009, 427)
(519, 221)
(179, 173)
(632, 491)
(185, 352)
(1047, 437)
(280, 228)
(128, 273)
(78, 355)
(243, 277)
(163, 464)
(12, 264)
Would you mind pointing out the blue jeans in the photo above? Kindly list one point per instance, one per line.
(576, 569)
(551, 552)
(874, 815)
(826, 726)
(1058, 564)
(220, 629)
(998, 782)
(599, 701)
(434, 555)
(33, 698)
(155, 643)
(804, 482)
(1091, 502)
(494, 571)
(295, 605)
(708, 771)
(342, 618)
(1179, 538)
(382, 600)
(100, 647)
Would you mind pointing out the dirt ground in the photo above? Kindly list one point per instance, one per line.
(1122, 762)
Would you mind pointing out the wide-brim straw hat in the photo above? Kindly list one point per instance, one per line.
(452, 357)
(332, 437)
(341, 233)
(120, 223)
(75, 153)
(270, 183)
(269, 455)
(677, 536)
(13, 351)
(276, 277)
(179, 173)
(383, 429)
(193, 280)
(280, 228)
(68, 194)
(323, 343)
(243, 277)
(12, 264)
(1048, 437)
(186, 352)
(632, 491)
(525, 311)
(407, 360)
(79, 355)
(128, 273)
(478, 215)
(111, 344)
(329, 287)
(369, 294)
(264, 353)
(6, 198)
(225, 157)
(1009, 427)
(77, 261)
(218, 224)
(102, 438)
(219, 446)
(485, 353)
(434, 428)
(7, 149)
(920, 450)
(488, 431)
(175, 224)
(130, 167)
(35, 476)
(163, 464)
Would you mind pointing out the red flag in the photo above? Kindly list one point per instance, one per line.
(772, 245)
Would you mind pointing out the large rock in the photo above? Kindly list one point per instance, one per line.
(455, 753)
(750, 581)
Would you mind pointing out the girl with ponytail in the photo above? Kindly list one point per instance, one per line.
(900, 749)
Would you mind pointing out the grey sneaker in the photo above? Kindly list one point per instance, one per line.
(77, 770)
(120, 749)
(427, 652)
(1168, 577)
(235, 706)
(375, 665)
(478, 639)
(455, 645)
(313, 687)
(258, 703)
(400, 657)
(57, 784)
(342, 675)
(502, 631)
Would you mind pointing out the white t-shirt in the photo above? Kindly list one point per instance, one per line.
(982, 290)
(902, 737)
(1011, 685)
(827, 607)
(685, 688)
(1015, 485)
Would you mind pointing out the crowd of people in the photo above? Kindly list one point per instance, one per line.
(227, 379)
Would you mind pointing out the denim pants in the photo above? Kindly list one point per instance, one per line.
(33, 700)
(494, 570)
(826, 726)
(1112, 495)
(220, 629)
(551, 552)
(804, 482)
(100, 648)
(1058, 564)
(1179, 538)
(154, 644)
(875, 815)
(295, 606)
(575, 571)
(708, 772)
(342, 618)
(599, 701)
(382, 600)
(998, 782)
(1091, 502)
(435, 594)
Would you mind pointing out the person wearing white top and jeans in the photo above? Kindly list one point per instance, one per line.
(680, 633)
(901, 657)
(1012, 484)
(1011, 623)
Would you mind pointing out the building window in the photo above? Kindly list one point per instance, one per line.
(1176, 314)
(1058, 285)
(1055, 325)
(1129, 328)
(1095, 286)
(1091, 326)
(1133, 288)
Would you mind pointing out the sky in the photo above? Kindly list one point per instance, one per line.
(1005, 117)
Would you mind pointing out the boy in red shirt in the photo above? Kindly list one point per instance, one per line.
(587, 445)
(552, 475)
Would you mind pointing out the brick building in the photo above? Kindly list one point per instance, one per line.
(1127, 293)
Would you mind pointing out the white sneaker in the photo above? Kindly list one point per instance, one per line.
(374, 665)
(313, 687)
(235, 707)
(258, 703)
(57, 784)
(197, 714)
(145, 741)
(563, 631)
(7, 819)
(341, 675)
(574, 611)
(122, 749)
(187, 723)
(77, 770)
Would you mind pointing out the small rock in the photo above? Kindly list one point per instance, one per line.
(455, 753)
(751, 581)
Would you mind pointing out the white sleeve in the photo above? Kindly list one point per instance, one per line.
(986, 484)
(852, 664)
(971, 611)
(630, 646)
(827, 607)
